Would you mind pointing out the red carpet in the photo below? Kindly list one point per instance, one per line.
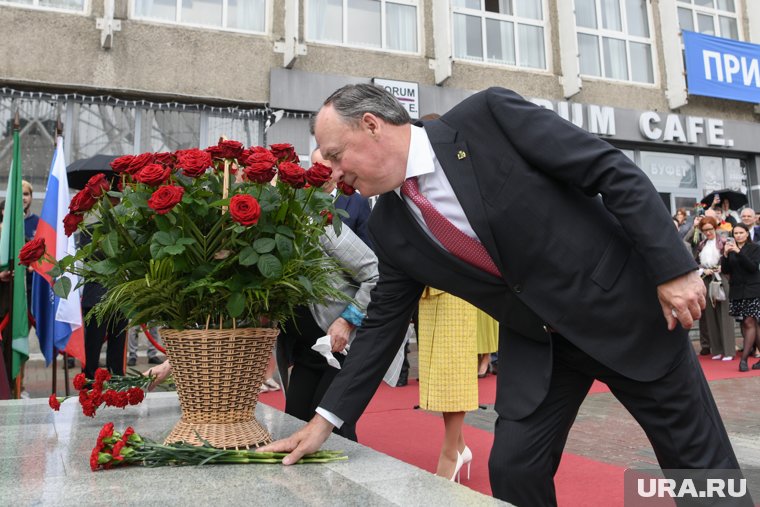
(392, 426)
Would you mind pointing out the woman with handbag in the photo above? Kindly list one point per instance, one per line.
(720, 326)
(740, 260)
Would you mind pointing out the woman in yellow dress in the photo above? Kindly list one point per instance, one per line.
(447, 337)
(488, 341)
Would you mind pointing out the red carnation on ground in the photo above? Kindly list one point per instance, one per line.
(71, 222)
(105, 432)
(292, 174)
(79, 381)
(121, 164)
(54, 402)
(345, 188)
(102, 375)
(116, 450)
(82, 202)
(32, 251)
(153, 174)
(135, 395)
(245, 209)
(284, 152)
(120, 399)
(94, 455)
(128, 433)
(165, 198)
(193, 162)
(98, 185)
(318, 175)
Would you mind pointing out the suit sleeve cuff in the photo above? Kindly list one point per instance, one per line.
(331, 418)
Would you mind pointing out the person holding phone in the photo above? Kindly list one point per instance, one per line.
(741, 258)
(718, 322)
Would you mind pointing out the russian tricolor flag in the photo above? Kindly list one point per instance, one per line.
(59, 321)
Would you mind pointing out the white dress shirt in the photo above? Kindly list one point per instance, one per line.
(433, 184)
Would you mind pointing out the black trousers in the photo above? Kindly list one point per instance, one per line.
(95, 335)
(311, 375)
(677, 412)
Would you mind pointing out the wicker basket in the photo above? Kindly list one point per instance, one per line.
(218, 374)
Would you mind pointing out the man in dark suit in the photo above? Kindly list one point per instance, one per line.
(356, 205)
(586, 291)
(749, 219)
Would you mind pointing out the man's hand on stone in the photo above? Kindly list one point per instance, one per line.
(306, 440)
(682, 300)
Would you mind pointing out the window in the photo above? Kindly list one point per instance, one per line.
(614, 40)
(66, 5)
(718, 173)
(711, 17)
(377, 24)
(242, 15)
(507, 32)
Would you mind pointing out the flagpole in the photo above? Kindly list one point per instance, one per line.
(8, 341)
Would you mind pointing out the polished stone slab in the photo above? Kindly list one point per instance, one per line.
(44, 460)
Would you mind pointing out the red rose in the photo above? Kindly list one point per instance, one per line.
(165, 198)
(328, 215)
(82, 202)
(71, 222)
(121, 164)
(284, 152)
(54, 403)
(98, 185)
(244, 209)
(165, 158)
(346, 188)
(292, 174)
(318, 175)
(138, 162)
(135, 395)
(79, 381)
(153, 174)
(32, 251)
(226, 149)
(193, 162)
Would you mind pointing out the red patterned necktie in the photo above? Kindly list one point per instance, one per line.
(455, 241)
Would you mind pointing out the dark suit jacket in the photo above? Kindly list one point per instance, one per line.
(742, 268)
(756, 232)
(587, 265)
(358, 210)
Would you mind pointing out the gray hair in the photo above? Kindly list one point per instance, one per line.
(352, 101)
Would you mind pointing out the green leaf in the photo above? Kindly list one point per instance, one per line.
(270, 266)
(55, 271)
(248, 256)
(155, 250)
(306, 283)
(104, 267)
(286, 231)
(163, 238)
(174, 249)
(284, 246)
(236, 304)
(185, 241)
(110, 244)
(62, 287)
(264, 245)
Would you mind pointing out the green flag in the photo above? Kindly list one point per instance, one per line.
(11, 242)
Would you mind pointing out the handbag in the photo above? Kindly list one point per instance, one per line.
(715, 290)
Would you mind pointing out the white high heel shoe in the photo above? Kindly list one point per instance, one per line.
(467, 459)
(458, 468)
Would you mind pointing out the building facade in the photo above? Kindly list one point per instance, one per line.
(127, 76)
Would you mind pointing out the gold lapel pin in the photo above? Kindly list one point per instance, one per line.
(461, 154)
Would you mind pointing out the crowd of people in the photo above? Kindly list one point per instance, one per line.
(728, 255)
